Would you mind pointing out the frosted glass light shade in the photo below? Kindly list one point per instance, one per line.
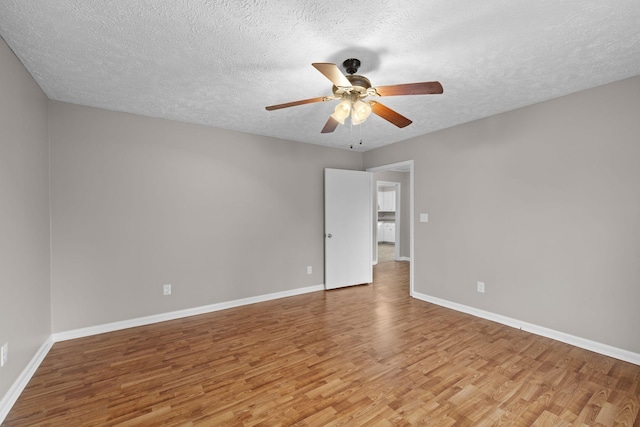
(342, 111)
(361, 111)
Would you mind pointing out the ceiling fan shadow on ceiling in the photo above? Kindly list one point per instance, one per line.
(352, 90)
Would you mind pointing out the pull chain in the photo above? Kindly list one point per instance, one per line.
(351, 134)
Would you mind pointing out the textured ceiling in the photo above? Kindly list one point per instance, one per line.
(219, 63)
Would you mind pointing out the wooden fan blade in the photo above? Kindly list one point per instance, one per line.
(389, 115)
(294, 103)
(424, 88)
(333, 73)
(330, 126)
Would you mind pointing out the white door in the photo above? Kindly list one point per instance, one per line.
(347, 227)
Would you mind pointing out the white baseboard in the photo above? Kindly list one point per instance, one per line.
(163, 317)
(9, 399)
(594, 346)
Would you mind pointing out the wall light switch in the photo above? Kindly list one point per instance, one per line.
(309, 269)
(424, 217)
(166, 289)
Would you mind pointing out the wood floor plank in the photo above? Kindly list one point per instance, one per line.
(365, 355)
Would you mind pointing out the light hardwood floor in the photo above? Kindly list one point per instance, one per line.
(365, 355)
(386, 252)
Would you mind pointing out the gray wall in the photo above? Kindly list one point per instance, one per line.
(403, 179)
(139, 202)
(24, 217)
(543, 205)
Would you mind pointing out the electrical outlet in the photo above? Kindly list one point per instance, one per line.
(4, 354)
(481, 287)
(166, 289)
(309, 269)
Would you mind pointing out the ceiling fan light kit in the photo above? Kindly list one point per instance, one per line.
(352, 89)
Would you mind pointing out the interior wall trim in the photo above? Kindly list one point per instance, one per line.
(163, 317)
(10, 398)
(604, 349)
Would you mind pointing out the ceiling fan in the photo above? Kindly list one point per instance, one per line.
(352, 89)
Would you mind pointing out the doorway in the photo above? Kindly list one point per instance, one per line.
(406, 229)
(388, 219)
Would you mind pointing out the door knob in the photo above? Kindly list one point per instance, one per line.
(329, 235)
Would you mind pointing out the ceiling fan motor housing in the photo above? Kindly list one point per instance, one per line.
(359, 85)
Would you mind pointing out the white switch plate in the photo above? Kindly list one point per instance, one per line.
(4, 354)
(481, 287)
(166, 289)
(424, 217)
(309, 269)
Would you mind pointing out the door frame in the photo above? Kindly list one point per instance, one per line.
(403, 165)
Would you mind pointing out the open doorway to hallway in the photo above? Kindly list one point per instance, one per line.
(389, 214)
(393, 275)
(393, 217)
